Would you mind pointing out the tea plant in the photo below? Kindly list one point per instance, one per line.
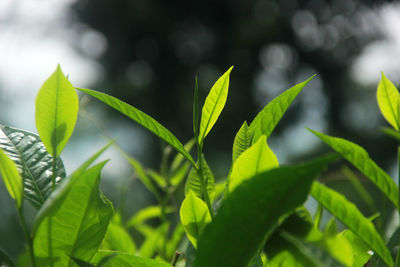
(254, 217)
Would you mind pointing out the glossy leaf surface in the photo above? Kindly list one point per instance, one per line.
(213, 105)
(389, 102)
(249, 213)
(74, 220)
(267, 119)
(11, 178)
(126, 260)
(141, 118)
(357, 156)
(33, 162)
(350, 216)
(56, 112)
(194, 217)
(258, 158)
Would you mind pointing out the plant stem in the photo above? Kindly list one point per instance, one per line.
(176, 258)
(202, 181)
(54, 175)
(27, 236)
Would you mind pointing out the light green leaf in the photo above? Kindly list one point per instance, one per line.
(56, 112)
(126, 260)
(249, 213)
(11, 178)
(157, 178)
(258, 158)
(267, 119)
(242, 141)
(389, 101)
(73, 220)
(350, 216)
(176, 238)
(179, 175)
(143, 119)
(213, 105)
(147, 213)
(117, 237)
(176, 163)
(141, 174)
(357, 156)
(194, 216)
(194, 183)
(359, 248)
(33, 162)
(150, 245)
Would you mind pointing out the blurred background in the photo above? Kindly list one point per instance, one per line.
(147, 53)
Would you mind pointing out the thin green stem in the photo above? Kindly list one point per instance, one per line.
(202, 180)
(54, 175)
(318, 216)
(27, 236)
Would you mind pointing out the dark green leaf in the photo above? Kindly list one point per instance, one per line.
(250, 212)
(141, 118)
(33, 162)
(5, 260)
(350, 216)
(357, 156)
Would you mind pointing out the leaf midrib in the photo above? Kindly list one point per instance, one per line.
(213, 109)
(25, 167)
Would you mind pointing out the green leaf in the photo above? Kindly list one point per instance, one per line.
(143, 119)
(350, 216)
(267, 119)
(359, 248)
(258, 158)
(33, 162)
(194, 183)
(149, 246)
(213, 105)
(315, 254)
(82, 263)
(11, 178)
(56, 112)
(392, 133)
(126, 260)
(177, 161)
(389, 102)
(357, 156)
(179, 175)
(157, 178)
(241, 142)
(147, 213)
(141, 174)
(249, 213)
(74, 219)
(5, 260)
(117, 237)
(176, 238)
(194, 216)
